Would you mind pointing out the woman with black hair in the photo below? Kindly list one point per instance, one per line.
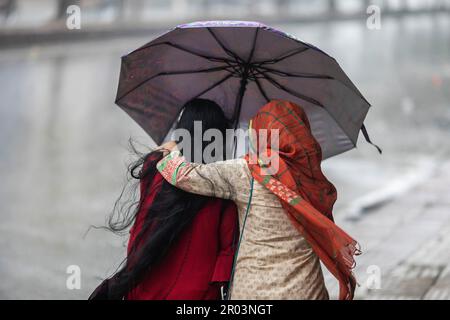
(181, 245)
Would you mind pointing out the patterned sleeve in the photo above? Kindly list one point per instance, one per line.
(212, 179)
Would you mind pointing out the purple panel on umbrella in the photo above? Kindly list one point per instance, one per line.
(242, 24)
(221, 23)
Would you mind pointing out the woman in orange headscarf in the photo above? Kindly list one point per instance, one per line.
(285, 215)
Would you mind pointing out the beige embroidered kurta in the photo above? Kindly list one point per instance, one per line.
(274, 260)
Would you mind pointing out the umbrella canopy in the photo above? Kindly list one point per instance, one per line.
(241, 66)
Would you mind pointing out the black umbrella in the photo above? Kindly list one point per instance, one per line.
(240, 65)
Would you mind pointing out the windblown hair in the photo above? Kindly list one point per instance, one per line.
(171, 211)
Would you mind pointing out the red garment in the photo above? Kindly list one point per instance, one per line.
(201, 259)
(305, 193)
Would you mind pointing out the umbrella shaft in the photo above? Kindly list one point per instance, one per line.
(238, 105)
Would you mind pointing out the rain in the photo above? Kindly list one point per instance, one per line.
(64, 143)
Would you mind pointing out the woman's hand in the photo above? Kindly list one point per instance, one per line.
(167, 147)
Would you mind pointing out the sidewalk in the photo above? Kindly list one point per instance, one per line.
(408, 239)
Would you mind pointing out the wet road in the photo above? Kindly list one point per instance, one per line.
(64, 144)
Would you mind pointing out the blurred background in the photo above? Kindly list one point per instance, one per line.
(64, 147)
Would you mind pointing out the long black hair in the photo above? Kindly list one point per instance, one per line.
(171, 210)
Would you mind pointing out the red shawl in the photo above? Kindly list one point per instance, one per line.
(305, 193)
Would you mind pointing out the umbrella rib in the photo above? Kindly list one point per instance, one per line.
(253, 46)
(177, 46)
(293, 92)
(135, 109)
(260, 88)
(296, 75)
(215, 84)
(310, 76)
(283, 56)
(222, 45)
(309, 99)
(214, 69)
(235, 66)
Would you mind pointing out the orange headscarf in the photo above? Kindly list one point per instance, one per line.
(305, 193)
